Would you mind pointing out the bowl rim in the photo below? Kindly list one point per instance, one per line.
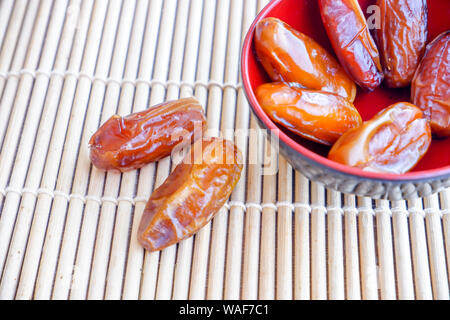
(417, 176)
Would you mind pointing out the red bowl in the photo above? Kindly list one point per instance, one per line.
(431, 175)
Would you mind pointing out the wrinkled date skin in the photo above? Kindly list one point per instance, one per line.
(314, 115)
(191, 195)
(401, 39)
(290, 56)
(351, 39)
(430, 89)
(394, 141)
(127, 143)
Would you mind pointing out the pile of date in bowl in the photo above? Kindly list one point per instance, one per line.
(312, 92)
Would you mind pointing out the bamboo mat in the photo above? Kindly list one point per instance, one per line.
(68, 231)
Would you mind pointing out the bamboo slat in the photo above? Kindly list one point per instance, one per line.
(336, 285)
(420, 261)
(402, 252)
(352, 264)
(167, 259)
(385, 250)
(302, 280)
(6, 8)
(184, 257)
(284, 232)
(224, 54)
(201, 246)
(436, 252)
(160, 72)
(368, 263)
(318, 243)
(267, 282)
(233, 98)
(12, 56)
(69, 230)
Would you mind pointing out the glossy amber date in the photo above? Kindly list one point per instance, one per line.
(126, 143)
(290, 56)
(430, 89)
(315, 115)
(401, 39)
(351, 39)
(394, 141)
(191, 195)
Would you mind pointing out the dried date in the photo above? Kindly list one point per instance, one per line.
(290, 56)
(430, 88)
(401, 39)
(126, 143)
(314, 115)
(191, 195)
(351, 39)
(394, 141)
